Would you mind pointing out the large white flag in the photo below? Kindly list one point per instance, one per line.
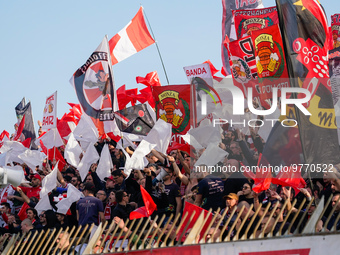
(91, 156)
(51, 139)
(73, 195)
(32, 158)
(49, 182)
(72, 151)
(105, 163)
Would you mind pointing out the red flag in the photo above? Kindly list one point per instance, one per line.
(190, 208)
(178, 146)
(54, 153)
(20, 128)
(123, 100)
(27, 142)
(131, 39)
(131, 94)
(22, 213)
(43, 147)
(144, 211)
(146, 94)
(126, 96)
(228, 26)
(75, 110)
(3, 134)
(290, 176)
(140, 212)
(262, 180)
(151, 79)
(115, 138)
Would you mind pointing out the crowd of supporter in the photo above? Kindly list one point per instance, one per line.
(172, 181)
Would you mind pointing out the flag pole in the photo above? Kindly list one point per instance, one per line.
(114, 99)
(111, 77)
(159, 53)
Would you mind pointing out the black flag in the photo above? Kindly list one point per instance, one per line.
(25, 109)
(304, 31)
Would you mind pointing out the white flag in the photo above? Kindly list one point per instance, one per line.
(86, 132)
(160, 135)
(73, 195)
(211, 156)
(32, 158)
(91, 156)
(51, 139)
(105, 163)
(49, 182)
(43, 204)
(206, 135)
(72, 151)
(158, 138)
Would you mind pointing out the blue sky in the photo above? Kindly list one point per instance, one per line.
(44, 42)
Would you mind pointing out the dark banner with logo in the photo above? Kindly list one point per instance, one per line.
(304, 31)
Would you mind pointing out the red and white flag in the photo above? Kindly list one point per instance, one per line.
(131, 39)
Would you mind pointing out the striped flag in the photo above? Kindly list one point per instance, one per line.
(131, 39)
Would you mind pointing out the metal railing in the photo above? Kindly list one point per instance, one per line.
(144, 233)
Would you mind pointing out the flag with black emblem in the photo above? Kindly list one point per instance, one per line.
(304, 30)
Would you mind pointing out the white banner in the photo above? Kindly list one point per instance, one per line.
(202, 71)
(50, 112)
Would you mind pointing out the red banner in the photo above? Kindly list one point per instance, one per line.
(335, 30)
(247, 21)
(243, 65)
(270, 62)
(173, 105)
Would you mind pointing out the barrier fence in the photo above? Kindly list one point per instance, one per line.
(145, 235)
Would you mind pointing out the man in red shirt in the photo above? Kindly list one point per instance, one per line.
(34, 189)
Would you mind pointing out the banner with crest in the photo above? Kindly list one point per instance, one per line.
(270, 63)
(247, 21)
(173, 104)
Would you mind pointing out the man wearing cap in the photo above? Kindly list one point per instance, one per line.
(231, 200)
(34, 189)
(109, 184)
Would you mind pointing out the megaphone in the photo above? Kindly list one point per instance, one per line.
(159, 176)
(12, 176)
